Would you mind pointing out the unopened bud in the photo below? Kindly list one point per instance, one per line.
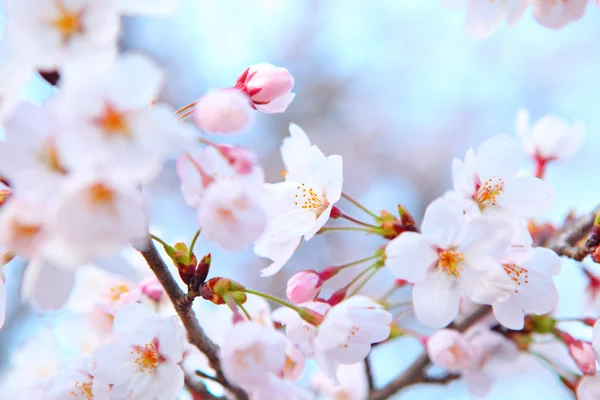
(543, 324)
(223, 111)
(589, 321)
(584, 356)
(201, 271)
(406, 218)
(596, 228)
(268, 87)
(152, 288)
(242, 159)
(303, 286)
(223, 287)
(310, 316)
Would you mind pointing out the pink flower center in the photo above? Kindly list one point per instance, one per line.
(486, 194)
(449, 261)
(147, 357)
(517, 274)
(308, 199)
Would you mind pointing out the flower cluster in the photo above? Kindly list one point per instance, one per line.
(73, 204)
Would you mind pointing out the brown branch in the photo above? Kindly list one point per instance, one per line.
(565, 243)
(199, 391)
(415, 373)
(181, 302)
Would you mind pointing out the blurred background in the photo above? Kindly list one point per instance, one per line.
(397, 89)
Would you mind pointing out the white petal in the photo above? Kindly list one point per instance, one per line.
(464, 174)
(45, 285)
(114, 363)
(436, 299)
(2, 300)
(527, 196)
(544, 261)
(509, 313)
(444, 223)
(489, 236)
(294, 148)
(516, 10)
(500, 157)
(335, 178)
(171, 339)
(318, 224)
(596, 339)
(484, 280)
(137, 322)
(280, 252)
(168, 381)
(478, 382)
(409, 257)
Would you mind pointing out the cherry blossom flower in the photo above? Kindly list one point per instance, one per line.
(347, 332)
(533, 291)
(276, 388)
(251, 353)
(484, 16)
(303, 286)
(468, 354)
(345, 335)
(269, 87)
(148, 7)
(46, 285)
(107, 120)
(15, 72)
(301, 205)
(152, 288)
(52, 34)
(242, 159)
(223, 111)
(487, 182)
(557, 14)
(550, 138)
(32, 367)
(77, 382)
(144, 361)
(29, 157)
(351, 384)
(90, 217)
(449, 256)
(231, 215)
(21, 226)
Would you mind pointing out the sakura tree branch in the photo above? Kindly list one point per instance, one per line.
(565, 243)
(199, 391)
(182, 303)
(416, 372)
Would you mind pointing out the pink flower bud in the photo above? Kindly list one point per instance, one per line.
(269, 87)
(242, 159)
(223, 111)
(152, 288)
(584, 356)
(303, 286)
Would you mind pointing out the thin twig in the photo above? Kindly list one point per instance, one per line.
(196, 335)
(198, 388)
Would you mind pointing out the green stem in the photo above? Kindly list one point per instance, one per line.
(356, 221)
(159, 240)
(344, 228)
(353, 263)
(387, 294)
(191, 250)
(245, 312)
(357, 277)
(273, 299)
(374, 270)
(399, 304)
(359, 205)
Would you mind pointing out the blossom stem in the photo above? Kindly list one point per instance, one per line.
(245, 312)
(359, 205)
(193, 243)
(344, 228)
(372, 270)
(185, 108)
(413, 333)
(399, 304)
(159, 240)
(390, 292)
(208, 142)
(540, 167)
(273, 299)
(357, 262)
(560, 369)
(356, 221)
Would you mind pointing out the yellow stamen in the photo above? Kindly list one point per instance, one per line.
(449, 261)
(68, 23)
